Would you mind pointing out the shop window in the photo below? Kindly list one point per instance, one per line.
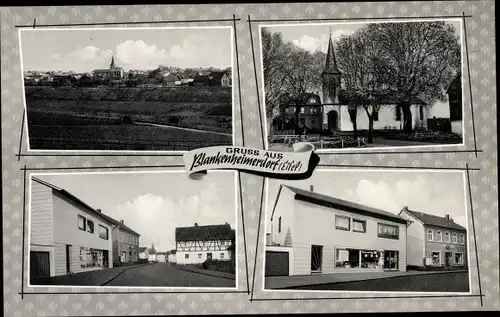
(435, 258)
(454, 238)
(388, 231)
(461, 239)
(81, 222)
(459, 258)
(430, 235)
(91, 257)
(447, 237)
(342, 223)
(103, 232)
(371, 259)
(439, 236)
(358, 225)
(90, 226)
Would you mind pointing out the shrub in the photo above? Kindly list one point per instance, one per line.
(127, 120)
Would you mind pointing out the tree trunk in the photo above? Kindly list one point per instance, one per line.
(370, 129)
(353, 115)
(407, 118)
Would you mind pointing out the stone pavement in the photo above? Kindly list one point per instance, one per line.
(90, 278)
(272, 282)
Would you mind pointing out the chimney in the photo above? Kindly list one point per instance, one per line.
(196, 224)
(311, 188)
(268, 239)
(447, 217)
(99, 210)
(121, 221)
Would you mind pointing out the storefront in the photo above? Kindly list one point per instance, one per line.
(369, 260)
(93, 258)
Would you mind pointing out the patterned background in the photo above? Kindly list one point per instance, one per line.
(480, 30)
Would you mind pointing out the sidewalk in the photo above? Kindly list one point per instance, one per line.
(90, 278)
(205, 272)
(317, 279)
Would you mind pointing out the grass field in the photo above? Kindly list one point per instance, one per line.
(93, 118)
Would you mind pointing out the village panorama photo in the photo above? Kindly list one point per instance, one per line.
(368, 231)
(133, 229)
(127, 89)
(363, 85)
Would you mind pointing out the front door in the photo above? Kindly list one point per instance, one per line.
(68, 259)
(391, 260)
(448, 259)
(105, 258)
(316, 258)
(333, 120)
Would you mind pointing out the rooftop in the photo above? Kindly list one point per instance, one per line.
(433, 220)
(204, 233)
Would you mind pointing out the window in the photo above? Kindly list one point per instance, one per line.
(459, 258)
(435, 258)
(353, 258)
(421, 112)
(454, 238)
(130, 239)
(430, 235)
(342, 223)
(199, 255)
(398, 113)
(302, 109)
(279, 224)
(91, 257)
(439, 236)
(447, 237)
(358, 225)
(461, 239)
(90, 226)
(103, 232)
(186, 256)
(388, 231)
(81, 222)
(375, 115)
(222, 255)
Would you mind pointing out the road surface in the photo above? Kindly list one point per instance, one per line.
(163, 274)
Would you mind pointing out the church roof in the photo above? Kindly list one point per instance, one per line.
(331, 62)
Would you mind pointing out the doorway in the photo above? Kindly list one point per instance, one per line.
(105, 258)
(316, 258)
(333, 120)
(39, 265)
(448, 256)
(391, 259)
(68, 259)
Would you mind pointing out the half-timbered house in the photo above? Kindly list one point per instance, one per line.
(198, 244)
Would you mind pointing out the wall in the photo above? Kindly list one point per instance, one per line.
(66, 232)
(457, 126)
(415, 243)
(322, 220)
(41, 217)
(194, 258)
(284, 209)
(441, 246)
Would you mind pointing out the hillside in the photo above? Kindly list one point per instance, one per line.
(185, 95)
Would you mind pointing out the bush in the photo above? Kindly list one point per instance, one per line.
(127, 120)
(173, 119)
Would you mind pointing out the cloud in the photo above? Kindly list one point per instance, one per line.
(315, 43)
(139, 55)
(79, 60)
(418, 193)
(156, 218)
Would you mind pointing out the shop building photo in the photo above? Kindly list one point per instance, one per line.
(143, 233)
(352, 230)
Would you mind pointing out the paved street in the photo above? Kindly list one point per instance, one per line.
(147, 275)
(427, 282)
(163, 274)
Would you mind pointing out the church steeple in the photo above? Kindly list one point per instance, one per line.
(331, 62)
(112, 65)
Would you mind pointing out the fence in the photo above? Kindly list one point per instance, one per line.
(320, 142)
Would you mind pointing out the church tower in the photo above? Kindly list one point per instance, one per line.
(331, 77)
(112, 65)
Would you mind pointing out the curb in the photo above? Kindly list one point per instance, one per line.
(370, 279)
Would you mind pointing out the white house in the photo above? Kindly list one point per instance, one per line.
(152, 254)
(314, 233)
(197, 244)
(171, 256)
(66, 234)
(143, 255)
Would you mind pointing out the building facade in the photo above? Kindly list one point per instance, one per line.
(113, 73)
(197, 244)
(314, 233)
(143, 255)
(435, 242)
(125, 244)
(66, 235)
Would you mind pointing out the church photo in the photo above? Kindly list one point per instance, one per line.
(363, 85)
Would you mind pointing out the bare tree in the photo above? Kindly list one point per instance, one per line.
(420, 60)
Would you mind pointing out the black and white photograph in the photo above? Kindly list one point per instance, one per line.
(133, 229)
(128, 89)
(368, 231)
(363, 85)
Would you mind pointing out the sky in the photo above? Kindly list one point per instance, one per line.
(154, 204)
(436, 193)
(83, 50)
(315, 36)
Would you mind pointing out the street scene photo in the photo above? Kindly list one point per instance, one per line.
(348, 230)
(363, 85)
(133, 229)
(128, 89)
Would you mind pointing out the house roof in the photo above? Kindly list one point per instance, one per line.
(73, 198)
(120, 225)
(204, 233)
(332, 202)
(199, 78)
(456, 83)
(433, 220)
(303, 98)
(217, 75)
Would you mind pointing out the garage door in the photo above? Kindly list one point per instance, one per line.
(277, 263)
(39, 264)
